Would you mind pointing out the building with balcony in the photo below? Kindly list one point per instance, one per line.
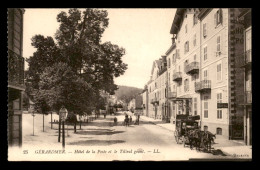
(16, 85)
(246, 58)
(206, 79)
(157, 88)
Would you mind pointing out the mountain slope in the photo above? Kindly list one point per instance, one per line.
(126, 93)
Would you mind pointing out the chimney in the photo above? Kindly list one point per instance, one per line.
(164, 60)
(173, 40)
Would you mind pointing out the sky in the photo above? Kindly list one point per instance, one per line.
(143, 32)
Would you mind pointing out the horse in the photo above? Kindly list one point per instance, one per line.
(126, 121)
(194, 137)
(207, 138)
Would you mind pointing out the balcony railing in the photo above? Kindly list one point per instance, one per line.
(15, 70)
(248, 96)
(172, 95)
(154, 100)
(192, 68)
(177, 76)
(203, 86)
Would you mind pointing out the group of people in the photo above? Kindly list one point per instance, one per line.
(128, 120)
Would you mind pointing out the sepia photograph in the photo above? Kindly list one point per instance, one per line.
(129, 84)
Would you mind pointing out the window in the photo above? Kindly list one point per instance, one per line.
(194, 19)
(205, 128)
(195, 57)
(218, 44)
(219, 72)
(186, 47)
(179, 108)
(195, 105)
(204, 30)
(205, 75)
(186, 28)
(173, 58)
(206, 107)
(185, 65)
(219, 131)
(205, 53)
(169, 63)
(219, 114)
(194, 40)
(178, 53)
(173, 109)
(186, 85)
(219, 100)
(218, 17)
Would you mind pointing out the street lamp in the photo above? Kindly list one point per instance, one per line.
(33, 121)
(63, 114)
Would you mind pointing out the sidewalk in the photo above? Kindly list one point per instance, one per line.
(234, 148)
(168, 126)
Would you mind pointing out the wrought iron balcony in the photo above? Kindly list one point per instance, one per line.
(177, 76)
(192, 68)
(203, 86)
(248, 96)
(172, 95)
(15, 70)
(154, 100)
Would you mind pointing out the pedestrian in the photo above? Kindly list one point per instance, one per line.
(115, 121)
(130, 121)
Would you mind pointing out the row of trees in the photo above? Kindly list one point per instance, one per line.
(72, 68)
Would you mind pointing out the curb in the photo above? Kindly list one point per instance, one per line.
(160, 126)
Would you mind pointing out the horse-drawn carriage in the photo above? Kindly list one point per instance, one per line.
(188, 132)
(183, 124)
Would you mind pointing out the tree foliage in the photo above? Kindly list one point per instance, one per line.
(64, 71)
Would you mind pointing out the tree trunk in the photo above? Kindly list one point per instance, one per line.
(59, 130)
(75, 127)
(80, 125)
(43, 122)
(51, 120)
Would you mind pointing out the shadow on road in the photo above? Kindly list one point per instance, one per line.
(98, 132)
(96, 142)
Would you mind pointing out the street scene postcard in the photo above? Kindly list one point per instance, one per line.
(129, 84)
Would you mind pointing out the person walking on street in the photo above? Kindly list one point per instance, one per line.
(130, 121)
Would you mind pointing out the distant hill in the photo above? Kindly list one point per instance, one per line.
(127, 93)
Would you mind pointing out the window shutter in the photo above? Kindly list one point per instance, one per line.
(215, 18)
(220, 16)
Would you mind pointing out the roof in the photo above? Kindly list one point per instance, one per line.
(244, 11)
(177, 20)
(170, 49)
(204, 12)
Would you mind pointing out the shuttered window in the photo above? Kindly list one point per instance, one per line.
(219, 72)
(218, 17)
(205, 53)
(218, 43)
(204, 30)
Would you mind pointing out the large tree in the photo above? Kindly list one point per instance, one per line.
(78, 44)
